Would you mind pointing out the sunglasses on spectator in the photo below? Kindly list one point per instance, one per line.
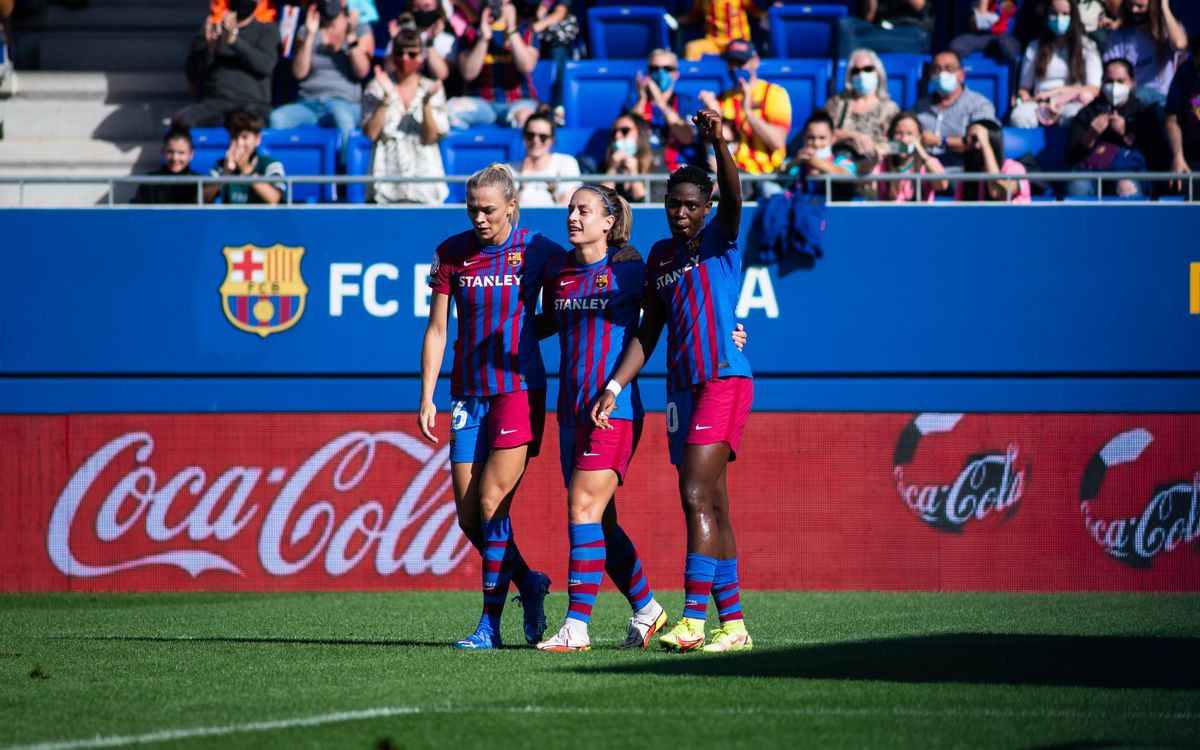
(411, 54)
(864, 69)
(657, 68)
(622, 131)
(543, 137)
(971, 140)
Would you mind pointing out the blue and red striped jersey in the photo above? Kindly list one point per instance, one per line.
(598, 308)
(495, 290)
(499, 80)
(699, 285)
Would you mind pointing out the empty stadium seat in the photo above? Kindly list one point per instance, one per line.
(703, 75)
(467, 151)
(592, 142)
(806, 81)
(543, 78)
(1048, 146)
(990, 78)
(903, 73)
(626, 33)
(595, 90)
(303, 151)
(804, 31)
(358, 162)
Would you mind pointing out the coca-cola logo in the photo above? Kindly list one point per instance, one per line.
(988, 482)
(118, 505)
(1168, 520)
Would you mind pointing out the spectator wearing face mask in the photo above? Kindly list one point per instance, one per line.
(1115, 133)
(949, 108)
(329, 60)
(1183, 119)
(819, 155)
(992, 24)
(177, 153)
(888, 26)
(655, 101)
(906, 155)
(559, 172)
(427, 18)
(760, 128)
(862, 111)
(404, 114)
(1149, 37)
(629, 153)
(1061, 70)
(984, 154)
(231, 63)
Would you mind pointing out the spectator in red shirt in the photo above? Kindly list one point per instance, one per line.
(496, 60)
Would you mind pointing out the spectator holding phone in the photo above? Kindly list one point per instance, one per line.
(1061, 70)
(428, 18)
(984, 144)
(629, 154)
(496, 59)
(906, 155)
(1149, 37)
(1115, 133)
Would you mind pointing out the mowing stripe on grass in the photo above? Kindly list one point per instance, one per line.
(169, 735)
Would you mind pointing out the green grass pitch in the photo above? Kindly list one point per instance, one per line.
(372, 670)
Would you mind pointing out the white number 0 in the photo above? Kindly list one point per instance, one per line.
(458, 415)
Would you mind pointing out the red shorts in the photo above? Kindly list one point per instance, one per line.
(506, 420)
(585, 447)
(715, 411)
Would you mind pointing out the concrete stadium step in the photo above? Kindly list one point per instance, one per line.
(102, 50)
(117, 15)
(42, 158)
(58, 119)
(99, 86)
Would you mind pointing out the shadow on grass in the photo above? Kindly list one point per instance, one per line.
(1091, 661)
(252, 640)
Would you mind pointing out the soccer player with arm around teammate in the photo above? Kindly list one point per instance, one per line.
(693, 279)
(497, 386)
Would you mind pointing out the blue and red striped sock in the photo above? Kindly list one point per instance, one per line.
(726, 591)
(586, 569)
(697, 584)
(624, 567)
(498, 556)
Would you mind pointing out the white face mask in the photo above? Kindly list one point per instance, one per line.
(865, 83)
(946, 82)
(825, 153)
(1116, 93)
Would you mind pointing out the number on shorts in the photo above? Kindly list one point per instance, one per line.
(672, 417)
(458, 414)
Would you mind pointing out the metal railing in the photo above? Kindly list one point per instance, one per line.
(290, 181)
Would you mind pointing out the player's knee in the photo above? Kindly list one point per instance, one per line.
(696, 497)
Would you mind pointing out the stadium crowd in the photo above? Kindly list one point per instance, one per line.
(1113, 77)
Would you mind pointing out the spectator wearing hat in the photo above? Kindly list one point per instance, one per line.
(758, 113)
(949, 108)
(330, 59)
(723, 21)
(231, 63)
(654, 100)
(887, 26)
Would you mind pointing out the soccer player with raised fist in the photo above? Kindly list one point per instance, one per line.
(693, 279)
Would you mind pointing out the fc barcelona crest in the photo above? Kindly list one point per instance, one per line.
(601, 280)
(514, 257)
(263, 291)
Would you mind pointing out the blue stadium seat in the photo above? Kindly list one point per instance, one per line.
(903, 73)
(804, 31)
(1048, 145)
(358, 162)
(626, 33)
(806, 81)
(703, 75)
(543, 79)
(990, 78)
(467, 151)
(576, 141)
(304, 151)
(595, 90)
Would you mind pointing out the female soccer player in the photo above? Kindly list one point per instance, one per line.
(596, 302)
(694, 278)
(497, 386)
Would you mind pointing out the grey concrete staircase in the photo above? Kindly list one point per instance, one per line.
(91, 94)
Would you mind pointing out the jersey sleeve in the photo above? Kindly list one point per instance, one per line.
(533, 269)
(631, 279)
(440, 270)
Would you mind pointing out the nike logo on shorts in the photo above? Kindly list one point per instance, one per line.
(507, 432)
(591, 454)
(702, 427)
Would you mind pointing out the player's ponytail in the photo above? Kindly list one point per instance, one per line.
(499, 176)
